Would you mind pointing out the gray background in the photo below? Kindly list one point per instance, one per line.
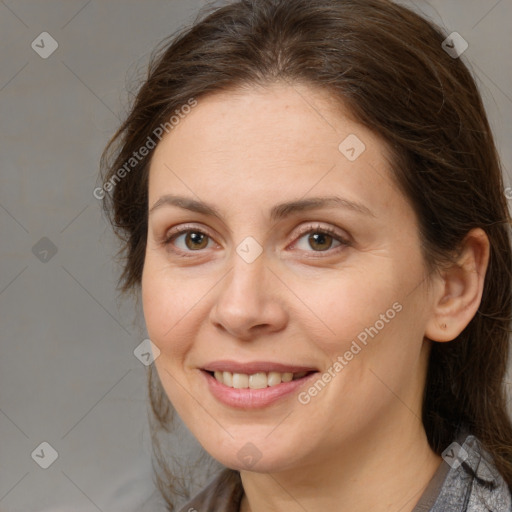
(68, 374)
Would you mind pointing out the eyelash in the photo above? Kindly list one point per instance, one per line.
(167, 240)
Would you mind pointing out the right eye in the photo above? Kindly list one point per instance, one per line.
(192, 240)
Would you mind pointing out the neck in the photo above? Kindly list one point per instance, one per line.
(383, 473)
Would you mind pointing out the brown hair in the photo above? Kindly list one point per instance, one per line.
(387, 65)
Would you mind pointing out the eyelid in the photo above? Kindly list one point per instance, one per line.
(173, 233)
(335, 233)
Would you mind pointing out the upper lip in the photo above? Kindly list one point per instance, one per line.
(255, 367)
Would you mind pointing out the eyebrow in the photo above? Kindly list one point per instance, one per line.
(278, 212)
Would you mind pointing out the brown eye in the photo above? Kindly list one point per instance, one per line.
(187, 240)
(196, 240)
(322, 241)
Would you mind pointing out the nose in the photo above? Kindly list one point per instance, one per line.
(250, 301)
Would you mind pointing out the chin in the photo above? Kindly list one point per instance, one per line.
(256, 455)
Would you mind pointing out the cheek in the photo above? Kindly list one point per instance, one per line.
(368, 314)
(345, 303)
(168, 305)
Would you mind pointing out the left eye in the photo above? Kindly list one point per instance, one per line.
(322, 239)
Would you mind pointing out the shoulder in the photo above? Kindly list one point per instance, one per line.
(223, 494)
(473, 484)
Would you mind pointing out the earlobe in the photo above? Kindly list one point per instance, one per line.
(457, 294)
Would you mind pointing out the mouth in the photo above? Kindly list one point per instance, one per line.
(257, 380)
(255, 384)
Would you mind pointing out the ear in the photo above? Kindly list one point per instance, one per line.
(458, 291)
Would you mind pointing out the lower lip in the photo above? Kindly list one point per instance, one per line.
(248, 398)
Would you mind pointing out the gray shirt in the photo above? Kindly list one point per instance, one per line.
(466, 481)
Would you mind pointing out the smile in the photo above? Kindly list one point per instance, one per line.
(259, 380)
(254, 385)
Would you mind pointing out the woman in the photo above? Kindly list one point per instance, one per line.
(313, 212)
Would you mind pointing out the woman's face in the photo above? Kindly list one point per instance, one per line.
(258, 291)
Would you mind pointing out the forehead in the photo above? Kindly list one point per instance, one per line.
(268, 143)
(280, 120)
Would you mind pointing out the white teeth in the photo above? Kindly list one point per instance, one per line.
(274, 378)
(258, 380)
(287, 377)
(240, 380)
(227, 378)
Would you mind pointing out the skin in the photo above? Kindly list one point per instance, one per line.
(360, 441)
